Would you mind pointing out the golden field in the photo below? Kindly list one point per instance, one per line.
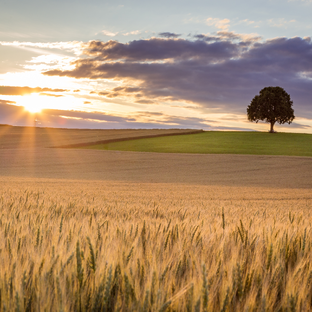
(119, 231)
(93, 246)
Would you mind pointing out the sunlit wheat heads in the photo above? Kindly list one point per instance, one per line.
(78, 246)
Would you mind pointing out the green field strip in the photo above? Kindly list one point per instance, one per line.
(219, 142)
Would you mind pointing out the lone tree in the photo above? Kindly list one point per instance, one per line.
(272, 105)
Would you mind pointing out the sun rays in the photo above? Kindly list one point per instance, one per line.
(32, 103)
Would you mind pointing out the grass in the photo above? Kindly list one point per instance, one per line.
(127, 247)
(254, 143)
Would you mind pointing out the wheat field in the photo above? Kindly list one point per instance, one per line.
(86, 230)
(77, 245)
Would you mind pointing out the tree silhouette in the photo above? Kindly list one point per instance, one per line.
(273, 104)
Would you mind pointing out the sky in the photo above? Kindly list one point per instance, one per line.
(146, 64)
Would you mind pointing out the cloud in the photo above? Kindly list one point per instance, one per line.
(7, 102)
(220, 73)
(52, 117)
(121, 91)
(12, 114)
(224, 128)
(96, 116)
(192, 122)
(134, 32)
(202, 36)
(246, 21)
(73, 46)
(156, 49)
(230, 36)
(50, 94)
(9, 90)
(109, 33)
(86, 102)
(299, 126)
(280, 23)
(223, 24)
(145, 102)
(169, 35)
(97, 120)
(17, 115)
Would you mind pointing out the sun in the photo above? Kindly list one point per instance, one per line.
(32, 103)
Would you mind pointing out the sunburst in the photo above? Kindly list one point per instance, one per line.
(32, 103)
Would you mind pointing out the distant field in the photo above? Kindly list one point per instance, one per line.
(253, 143)
(26, 152)
(37, 137)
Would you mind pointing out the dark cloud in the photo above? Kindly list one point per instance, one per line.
(86, 102)
(169, 35)
(228, 35)
(158, 49)
(221, 73)
(76, 90)
(123, 91)
(231, 35)
(8, 90)
(200, 36)
(145, 102)
(207, 38)
(127, 89)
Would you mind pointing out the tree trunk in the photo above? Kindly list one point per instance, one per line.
(272, 125)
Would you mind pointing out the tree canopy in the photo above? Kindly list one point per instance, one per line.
(273, 104)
